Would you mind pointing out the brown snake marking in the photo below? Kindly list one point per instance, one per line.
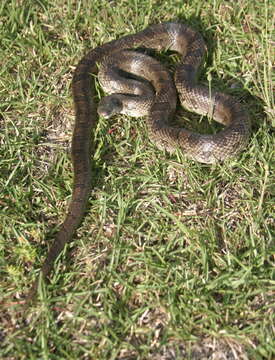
(204, 148)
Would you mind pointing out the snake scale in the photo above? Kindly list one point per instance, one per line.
(204, 148)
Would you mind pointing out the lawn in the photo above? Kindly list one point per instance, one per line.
(174, 259)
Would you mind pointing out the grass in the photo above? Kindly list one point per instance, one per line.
(174, 259)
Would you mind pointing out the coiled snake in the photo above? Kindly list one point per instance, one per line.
(204, 148)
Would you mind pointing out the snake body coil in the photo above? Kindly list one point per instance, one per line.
(204, 148)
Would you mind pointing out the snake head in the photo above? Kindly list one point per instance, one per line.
(109, 106)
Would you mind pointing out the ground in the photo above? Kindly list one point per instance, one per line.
(174, 259)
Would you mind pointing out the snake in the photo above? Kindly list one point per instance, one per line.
(162, 99)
